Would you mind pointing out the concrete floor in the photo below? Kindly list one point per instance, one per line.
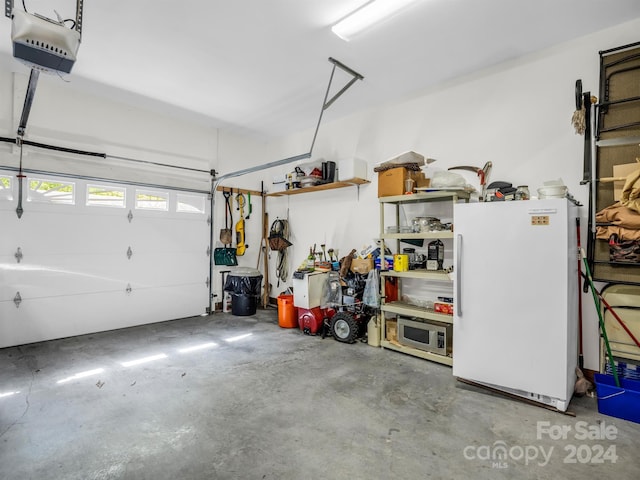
(277, 404)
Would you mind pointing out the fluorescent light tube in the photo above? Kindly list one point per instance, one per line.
(366, 16)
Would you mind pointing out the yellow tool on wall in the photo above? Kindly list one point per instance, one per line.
(241, 247)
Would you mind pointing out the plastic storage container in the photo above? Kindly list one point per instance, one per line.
(244, 284)
(287, 315)
(621, 402)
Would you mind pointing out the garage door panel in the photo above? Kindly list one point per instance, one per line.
(49, 318)
(51, 234)
(75, 271)
(163, 233)
(175, 269)
(55, 275)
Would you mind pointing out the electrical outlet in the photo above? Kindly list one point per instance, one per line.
(539, 219)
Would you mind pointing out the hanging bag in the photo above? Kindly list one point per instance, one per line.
(277, 237)
(225, 256)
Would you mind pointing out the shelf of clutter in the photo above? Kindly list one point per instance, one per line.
(317, 188)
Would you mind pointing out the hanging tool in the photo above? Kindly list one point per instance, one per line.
(265, 227)
(241, 247)
(603, 330)
(587, 172)
(226, 236)
(578, 120)
(580, 352)
(250, 208)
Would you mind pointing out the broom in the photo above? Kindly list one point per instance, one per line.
(602, 329)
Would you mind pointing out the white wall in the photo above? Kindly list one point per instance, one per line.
(517, 116)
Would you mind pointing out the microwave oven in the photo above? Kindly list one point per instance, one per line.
(430, 336)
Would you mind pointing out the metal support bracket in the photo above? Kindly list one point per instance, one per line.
(356, 76)
(28, 101)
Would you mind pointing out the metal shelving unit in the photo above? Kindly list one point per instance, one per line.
(616, 136)
(395, 308)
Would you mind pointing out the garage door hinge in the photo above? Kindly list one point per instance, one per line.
(207, 282)
(208, 251)
(129, 253)
(18, 254)
(130, 216)
(128, 289)
(17, 300)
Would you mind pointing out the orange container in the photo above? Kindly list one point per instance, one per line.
(287, 316)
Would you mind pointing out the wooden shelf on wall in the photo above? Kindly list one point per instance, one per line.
(318, 188)
(236, 191)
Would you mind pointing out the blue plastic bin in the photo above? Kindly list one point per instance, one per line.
(621, 402)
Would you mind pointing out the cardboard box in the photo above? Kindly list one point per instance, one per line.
(391, 182)
(362, 265)
(392, 330)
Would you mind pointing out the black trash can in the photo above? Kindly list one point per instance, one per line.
(244, 284)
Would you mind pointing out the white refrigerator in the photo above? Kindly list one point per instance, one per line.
(515, 325)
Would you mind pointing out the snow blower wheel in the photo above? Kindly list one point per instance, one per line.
(344, 327)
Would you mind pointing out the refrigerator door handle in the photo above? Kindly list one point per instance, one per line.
(458, 275)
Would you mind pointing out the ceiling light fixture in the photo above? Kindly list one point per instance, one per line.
(368, 15)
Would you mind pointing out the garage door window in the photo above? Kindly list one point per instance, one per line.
(190, 203)
(148, 200)
(46, 191)
(5, 188)
(106, 196)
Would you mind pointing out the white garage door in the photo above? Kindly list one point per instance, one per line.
(89, 256)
